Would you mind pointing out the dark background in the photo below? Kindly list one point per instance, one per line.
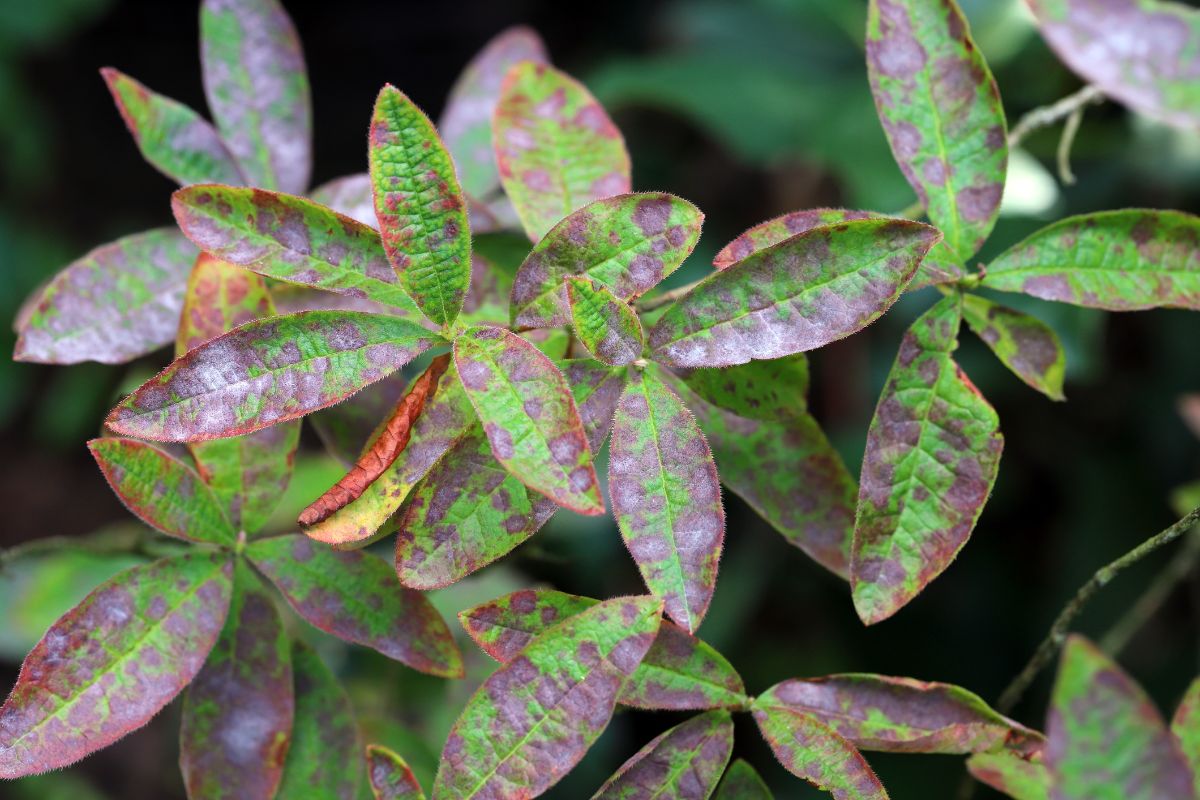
(748, 108)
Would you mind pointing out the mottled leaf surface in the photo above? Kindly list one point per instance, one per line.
(1011, 774)
(390, 776)
(608, 328)
(769, 391)
(346, 428)
(742, 782)
(268, 371)
(1185, 727)
(112, 662)
(556, 148)
(684, 763)
(349, 195)
(1117, 260)
(534, 718)
(785, 226)
(220, 296)
(931, 458)
(1024, 344)
(800, 294)
(941, 111)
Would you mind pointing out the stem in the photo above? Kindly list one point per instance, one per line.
(1063, 155)
(1160, 588)
(1048, 115)
(660, 300)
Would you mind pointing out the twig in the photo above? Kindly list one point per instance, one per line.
(1048, 115)
(1160, 588)
(1065, 141)
(660, 300)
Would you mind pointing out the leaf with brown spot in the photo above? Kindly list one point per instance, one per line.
(773, 231)
(741, 782)
(1024, 344)
(390, 776)
(607, 328)
(1012, 775)
(684, 763)
(1185, 727)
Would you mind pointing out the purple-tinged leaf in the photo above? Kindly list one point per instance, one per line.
(112, 662)
(529, 416)
(741, 782)
(268, 371)
(933, 450)
(940, 265)
(556, 148)
(487, 299)
(505, 626)
(118, 302)
(466, 124)
(257, 88)
(1116, 260)
(354, 596)
(173, 138)
(421, 210)
(290, 239)
(290, 298)
(162, 491)
(390, 776)
(666, 497)
(684, 763)
(768, 391)
(1012, 775)
(774, 231)
(350, 195)
(1024, 344)
(607, 327)
(803, 293)
(534, 718)
(1106, 740)
(220, 296)
(941, 111)
(237, 713)
(1185, 727)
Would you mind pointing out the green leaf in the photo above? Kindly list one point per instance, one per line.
(354, 596)
(529, 416)
(116, 303)
(627, 243)
(421, 210)
(1012, 775)
(607, 327)
(162, 491)
(666, 497)
(741, 782)
(176, 141)
(237, 713)
(268, 371)
(773, 231)
(1024, 344)
(801, 294)
(112, 662)
(534, 718)
(1116, 260)
(1107, 741)
(932, 453)
(1185, 726)
(684, 763)
(390, 776)
(556, 148)
(941, 111)
(290, 239)
(257, 88)
(768, 391)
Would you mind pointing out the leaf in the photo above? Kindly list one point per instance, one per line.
(505, 626)
(941, 111)
(1116, 260)
(487, 299)
(290, 239)
(534, 718)
(932, 453)
(1012, 775)
(1140, 52)
(421, 210)
(266, 372)
(1185, 726)
(684, 763)
(798, 295)
(175, 140)
(220, 296)
(116, 303)
(257, 88)
(627, 244)
(1024, 344)
(237, 713)
(162, 491)
(354, 596)
(112, 662)
(901, 715)
(325, 760)
(466, 123)
(607, 328)
(1107, 741)
(768, 391)
(741, 782)
(346, 428)
(350, 195)
(774, 231)
(529, 416)
(556, 148)
(390, 776)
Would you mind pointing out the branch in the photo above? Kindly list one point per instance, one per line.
(1048, 115)
(1160, 588)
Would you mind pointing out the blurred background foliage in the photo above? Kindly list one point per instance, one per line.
(749, 108)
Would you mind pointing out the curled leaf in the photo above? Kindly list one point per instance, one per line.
(608, 328)
(1024, 344)
(390, 776)
(684, 763)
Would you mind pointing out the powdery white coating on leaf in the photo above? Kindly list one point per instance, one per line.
(684, 763)
(390, 776)
(1024, 344)
(1009, 773)
(608, 328)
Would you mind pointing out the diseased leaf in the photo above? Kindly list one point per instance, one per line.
(798, 295)
(666, 497)
(349, 195)
(220, 296)
(257, 88)
(774, 231)
(175, 140)
(741, 782)
(346, 428)
(237, 713)
(1024, 344)
(932, 453)
(607, 327)
(941, 111)
(118, 302)
(162, 491)
(534, 718)
(940, 265)
(556, 148)
(1185, 726)
(112, 662)
(1117, 260)
(684, 763)
(1107, 741)
(487, 299)
(268, 371)
(529, 416)
(354, 596)
(505, 626)
(769, 391)
(1009, 773)
(390, 776)
(421, 210)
